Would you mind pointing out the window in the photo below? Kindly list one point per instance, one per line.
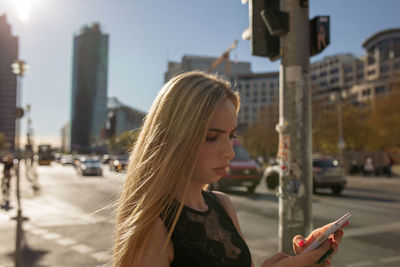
(379, 89)
(371, 56)
(263, 86)
(397, 65)
(255, 85)
(360, 76)
(313, 77)
(334, 70)
(247, 86)
(334, 80)
(348, 69)
(322, 74)
(396, 47)
(366, 92)
(384, 68)
(383, 50)
(371, 72)
(348, 79)
(323, 83)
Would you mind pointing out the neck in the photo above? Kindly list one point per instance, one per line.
(194, 197)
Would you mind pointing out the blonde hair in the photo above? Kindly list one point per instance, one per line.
(163, 158)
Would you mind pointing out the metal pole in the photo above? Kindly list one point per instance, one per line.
(294, 128)
(340, 126)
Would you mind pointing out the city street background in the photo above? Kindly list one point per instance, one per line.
(70, 219)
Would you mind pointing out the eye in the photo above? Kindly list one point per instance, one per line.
(211, 138)
(232, 136)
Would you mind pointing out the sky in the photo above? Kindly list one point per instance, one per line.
(145, 35)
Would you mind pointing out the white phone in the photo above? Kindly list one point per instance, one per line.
(337, 224)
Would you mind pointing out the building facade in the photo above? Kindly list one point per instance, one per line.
(122, 118)
(89, 90)
(190, 63)
(257, 92)
(8, 82)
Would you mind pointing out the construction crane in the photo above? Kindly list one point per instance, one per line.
(224, 56)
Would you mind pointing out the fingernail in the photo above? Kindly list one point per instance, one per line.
(301, 243)
(328, 261)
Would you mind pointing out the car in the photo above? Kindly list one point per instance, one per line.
(242, 170)
(118, 163)
(67, 160)
(328, 173)
(89, 165)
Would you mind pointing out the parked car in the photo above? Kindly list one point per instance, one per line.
(242, 171)
(89, 165)
(118, 163)
(327, 173)
(67, 160)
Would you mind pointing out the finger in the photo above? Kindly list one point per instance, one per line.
(274, 259)
(299, 244)
(310, 257)
(316, 233)
(337, 236)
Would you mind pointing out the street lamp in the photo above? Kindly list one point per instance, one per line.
(337, 99)
(19, 68)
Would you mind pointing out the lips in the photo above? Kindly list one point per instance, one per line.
(221, 171)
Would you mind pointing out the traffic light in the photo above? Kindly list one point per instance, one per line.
(319, 34)
(262, 42)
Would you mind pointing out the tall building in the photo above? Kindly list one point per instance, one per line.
(89, 90)
(8, 81)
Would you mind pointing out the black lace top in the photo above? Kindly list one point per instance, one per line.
(209, 238)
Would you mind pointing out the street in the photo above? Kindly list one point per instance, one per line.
(70, 219)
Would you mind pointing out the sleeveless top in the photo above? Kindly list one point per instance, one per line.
(208, 238)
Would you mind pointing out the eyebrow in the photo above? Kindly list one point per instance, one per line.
(220, 130)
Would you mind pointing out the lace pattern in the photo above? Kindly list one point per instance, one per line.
(208, 238)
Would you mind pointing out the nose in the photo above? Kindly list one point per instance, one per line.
(228, 151)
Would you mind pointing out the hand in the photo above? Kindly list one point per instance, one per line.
(309, 258)
(300, 244)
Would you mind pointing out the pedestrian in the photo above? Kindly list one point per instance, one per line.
(165, 215)
(5, 182)
(368, 166)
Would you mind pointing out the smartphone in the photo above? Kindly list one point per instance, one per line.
(322, 238)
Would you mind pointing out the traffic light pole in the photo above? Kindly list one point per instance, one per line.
(294, 128)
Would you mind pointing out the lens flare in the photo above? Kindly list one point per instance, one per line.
(23, 9)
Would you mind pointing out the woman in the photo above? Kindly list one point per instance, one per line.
(164, 216)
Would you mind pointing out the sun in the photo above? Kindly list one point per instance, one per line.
(23, 9)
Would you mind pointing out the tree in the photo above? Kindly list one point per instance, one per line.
(385, 121)
(262, 138)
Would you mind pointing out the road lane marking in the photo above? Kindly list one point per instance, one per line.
(82, 248)
(66, 242)
(101, 256)
(38, 231)
(362, 231)
(51, 236)
(391, 259)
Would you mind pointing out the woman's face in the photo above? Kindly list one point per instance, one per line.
(217, 150)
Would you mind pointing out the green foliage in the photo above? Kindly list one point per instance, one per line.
(262, 138)
(373, 127)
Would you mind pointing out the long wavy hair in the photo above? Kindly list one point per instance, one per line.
(163, 159)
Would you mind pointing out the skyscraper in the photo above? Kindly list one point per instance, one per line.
(8, 81)
(89, 90)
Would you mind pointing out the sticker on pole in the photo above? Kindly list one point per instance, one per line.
(284, 148)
